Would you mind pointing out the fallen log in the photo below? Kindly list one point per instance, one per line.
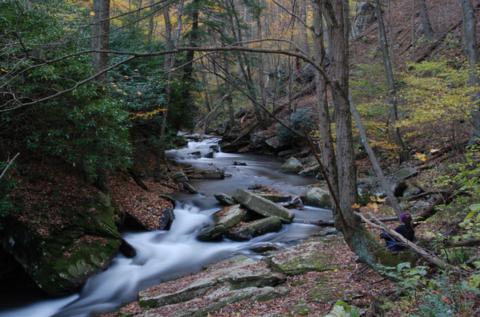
(465, 243)
(427, 255)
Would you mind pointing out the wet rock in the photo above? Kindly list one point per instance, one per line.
(166, 219)
(208, 173)
(189, 188)
(224, 220)
(295, 202)
(262, 206)
(210, 155)
(180, 177)
(224, 199)
(300, 258)
(317, 197)
(276, 198)
(196, 154)
(127, 249)
(264, 247)
(237, 163)
(215, 148)
(310, 171)
(194, 137)
(292, 165)
(248, 230)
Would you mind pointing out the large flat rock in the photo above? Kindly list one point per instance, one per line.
(221, 284)
(262, 206)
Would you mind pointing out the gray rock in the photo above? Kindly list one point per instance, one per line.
(301, 258)
(295, 202)
(276, 198)
(224, 199)
(262, 206)
(221, 284)
(249, 230)
(292, 165)
(166, 219)
(215, 148)
(180, 177)
(237, 163)
(210, 155)
(275, 143)
(189, 188)
(364, 17)
(208, 173)
(310, 171)
(317, 197)
(225, 219)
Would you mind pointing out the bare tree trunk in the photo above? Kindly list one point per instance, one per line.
(373, 159)
(151, 23)
(168, 63)
(100, 36)
(326, 141)
(470, 44)
(392, 91)
(425, 18)
(100, 42)
(355, 234)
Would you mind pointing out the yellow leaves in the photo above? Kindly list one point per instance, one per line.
(356, 206)
(147, 114)
(92, 13)
(421, 157)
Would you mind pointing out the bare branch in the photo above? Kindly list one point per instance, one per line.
(8, 165)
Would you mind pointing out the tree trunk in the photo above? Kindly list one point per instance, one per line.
(425, 18)
(326, 142)
(470, 43)
(100, 36)
(392, 91)
(355, 234)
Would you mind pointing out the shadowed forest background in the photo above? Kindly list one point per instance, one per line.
(276, 139)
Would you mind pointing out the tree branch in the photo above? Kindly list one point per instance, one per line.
(8, 165)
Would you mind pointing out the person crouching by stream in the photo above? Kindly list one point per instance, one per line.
(405, 229)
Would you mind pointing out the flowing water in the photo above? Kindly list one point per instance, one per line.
(164, 255)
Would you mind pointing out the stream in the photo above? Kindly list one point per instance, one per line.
(165, 255)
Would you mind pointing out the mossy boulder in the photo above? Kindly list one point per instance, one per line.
(301, 258)
(248, 230)
(61, 261)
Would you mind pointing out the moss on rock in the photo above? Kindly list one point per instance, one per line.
(62, 261)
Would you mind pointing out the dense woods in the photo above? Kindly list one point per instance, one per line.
(144, 145)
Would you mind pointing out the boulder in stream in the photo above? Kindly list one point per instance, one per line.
(224, 199)
(248, 230)
(207, 173)
(262, 206)
(292, 165)
(224, 220)
(166, 219)
(317, 197)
